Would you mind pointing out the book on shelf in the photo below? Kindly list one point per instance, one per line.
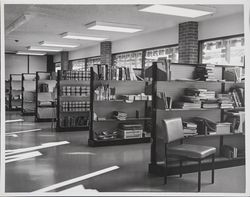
(103, 72)
(229, 152)
(205, 72)
(130, 131)
(189, 128)
(238, 95)
(76, 75)
(237, 120)
(186, 105)
(105, 92)
(119, 115)
(164, 101)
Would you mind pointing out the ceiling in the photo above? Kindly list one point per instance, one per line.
(49, 21)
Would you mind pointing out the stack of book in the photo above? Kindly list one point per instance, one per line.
(187, 105)
(130, 131)
(120, 115)
(225, 100)
(103, 72)
(189, 128)
(205, 72)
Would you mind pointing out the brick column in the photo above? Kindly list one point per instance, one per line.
(65, 60)
(105, 52)
(188, 42)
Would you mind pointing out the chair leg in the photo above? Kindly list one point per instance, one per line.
(199, 177)
(166, 165)
(180, 168)
(212, 168)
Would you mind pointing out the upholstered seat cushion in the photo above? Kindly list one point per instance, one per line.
(192, 151)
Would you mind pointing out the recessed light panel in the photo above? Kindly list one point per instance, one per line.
(30, 53)
(78, 36)
(116, 27)
(176, 11)
(57, 44)
(50, 49)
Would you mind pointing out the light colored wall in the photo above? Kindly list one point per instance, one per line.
(38, 63)
(224, 26)
(18, 64)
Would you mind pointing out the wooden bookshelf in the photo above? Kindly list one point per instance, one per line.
(104, 107)
(73, 100)
(45, 99)
(175, 89)
(28, 93)
(15, 96)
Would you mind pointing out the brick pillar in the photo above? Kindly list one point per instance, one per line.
(188, 42)
(105, 52)
(50, 64)
(65, 60)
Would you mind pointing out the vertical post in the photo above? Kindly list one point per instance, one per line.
(64, 60)
(143, 63)
(153, 134)
(91, 132)
(50, 64)
(28, 64)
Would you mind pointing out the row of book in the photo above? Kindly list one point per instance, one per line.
(103, 72)
(105, 92)
(75, 106)
(74, 121)
(75, 90)
(76, 75)
(238, 95)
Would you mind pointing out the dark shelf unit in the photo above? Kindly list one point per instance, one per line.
(7, 95)
(107, 106)
(28, 93)
(45, 112)
(64, 81)
(156, 167)
(15, 91)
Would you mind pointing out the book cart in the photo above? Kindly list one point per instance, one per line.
(28, 93)
(120, 112)
(174, 87)
(45, 97)
(73, 100)
(15, 99)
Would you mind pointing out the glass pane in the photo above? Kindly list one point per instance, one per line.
(224, 51)
(166, 52)
(132, 60)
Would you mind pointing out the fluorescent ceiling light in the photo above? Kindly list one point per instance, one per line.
(17, 23)
(105, 26)
(77, 36)
(55, 44)
(30, 53)
(52, 49)
(176, 11)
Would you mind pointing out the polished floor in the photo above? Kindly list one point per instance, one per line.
(66, 162)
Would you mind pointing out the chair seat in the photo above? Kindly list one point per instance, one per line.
(192, 151)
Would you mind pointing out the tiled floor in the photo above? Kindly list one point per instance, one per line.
(66, 162)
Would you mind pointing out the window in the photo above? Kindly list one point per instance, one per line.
(92, 61)
(167, 52)
(78, 65)
(132, 60)
(228, 51)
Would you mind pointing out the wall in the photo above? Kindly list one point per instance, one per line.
(224, 26)
(18, 64)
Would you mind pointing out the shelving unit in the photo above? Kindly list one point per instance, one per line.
(174, 88)
(73, 103)
(7, 94)
(15, 92)
(45, 97)
(28, 93)
(103, 106)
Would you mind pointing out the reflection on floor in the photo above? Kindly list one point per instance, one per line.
(75, 159)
